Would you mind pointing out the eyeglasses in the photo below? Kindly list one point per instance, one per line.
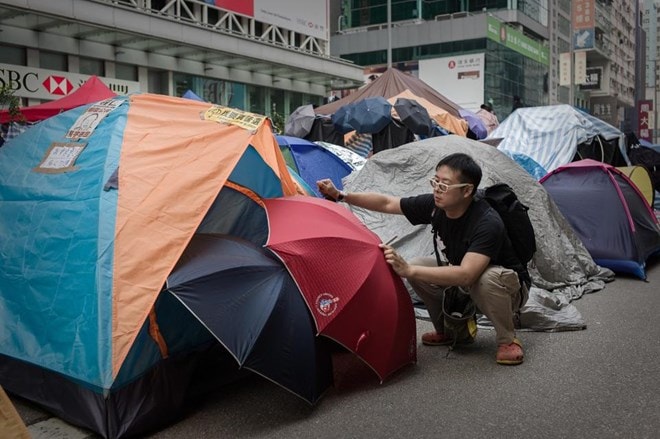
(443, 187)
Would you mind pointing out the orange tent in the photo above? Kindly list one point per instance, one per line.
(118, 202)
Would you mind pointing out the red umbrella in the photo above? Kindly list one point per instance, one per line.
(353, 295)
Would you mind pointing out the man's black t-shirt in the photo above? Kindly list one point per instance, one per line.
(479, 230)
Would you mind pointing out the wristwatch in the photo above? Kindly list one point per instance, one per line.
(342, 195)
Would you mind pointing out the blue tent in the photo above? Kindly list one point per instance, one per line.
(312, 162)
(192, 95)
(91, 229)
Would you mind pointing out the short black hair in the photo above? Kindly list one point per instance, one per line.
(469, 170)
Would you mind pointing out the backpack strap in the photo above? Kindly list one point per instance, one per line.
(435, 237)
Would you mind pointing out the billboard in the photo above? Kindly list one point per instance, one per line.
(583, 14)
(516, 40)
(583, 19)
(460, 78)
(309, 17)
(33, 83)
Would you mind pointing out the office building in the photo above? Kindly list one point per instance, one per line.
(257, 55)
(493, 50)
(650, 21)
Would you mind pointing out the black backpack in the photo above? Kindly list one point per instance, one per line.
(515, 217)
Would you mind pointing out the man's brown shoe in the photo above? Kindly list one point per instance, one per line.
(436, 339)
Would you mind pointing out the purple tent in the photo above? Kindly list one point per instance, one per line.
(608, 213)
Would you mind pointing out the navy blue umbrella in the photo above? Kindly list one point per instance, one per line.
(370, 115)
(250, 303)
(414, 116)
(340, 119)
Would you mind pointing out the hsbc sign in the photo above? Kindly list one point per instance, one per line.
(28, 82)
(57, 85)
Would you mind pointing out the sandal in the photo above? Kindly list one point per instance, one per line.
(510, 354)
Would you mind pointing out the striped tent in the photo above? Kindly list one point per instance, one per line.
(97, 205)
(555, 135)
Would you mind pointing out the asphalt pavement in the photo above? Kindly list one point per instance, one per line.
(601, 382)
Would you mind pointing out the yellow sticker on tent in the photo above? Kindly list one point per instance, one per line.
(60, 157)
(243, 119)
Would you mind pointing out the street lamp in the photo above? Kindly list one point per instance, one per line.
(389, 34)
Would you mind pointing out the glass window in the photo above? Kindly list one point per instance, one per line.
(509, 74)
(216, 91)
(374, 12)
(564, 25)
(126, 72)
(92, 66)
(295, 100)
(257, 99)
(53, 61)
(404, 54)
(158, 82)
(235, 95)
(277, 102)
(313, 99)
(213, 90)
(183, 83)
(13, 55)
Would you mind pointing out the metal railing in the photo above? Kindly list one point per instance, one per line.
(200, 13)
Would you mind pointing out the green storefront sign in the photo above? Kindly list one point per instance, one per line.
(515, 40)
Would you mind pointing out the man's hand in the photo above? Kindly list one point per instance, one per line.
(328, 189)
(399, 265)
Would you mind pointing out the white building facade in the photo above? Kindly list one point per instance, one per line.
(262, 56)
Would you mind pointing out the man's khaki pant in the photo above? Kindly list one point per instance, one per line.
(497, 294)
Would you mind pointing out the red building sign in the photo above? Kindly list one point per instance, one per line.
(644, 116)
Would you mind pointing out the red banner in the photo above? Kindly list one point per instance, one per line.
(245, 7)
(644, 116)
(584, 14)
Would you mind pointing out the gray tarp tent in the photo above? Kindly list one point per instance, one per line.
(562, 269)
